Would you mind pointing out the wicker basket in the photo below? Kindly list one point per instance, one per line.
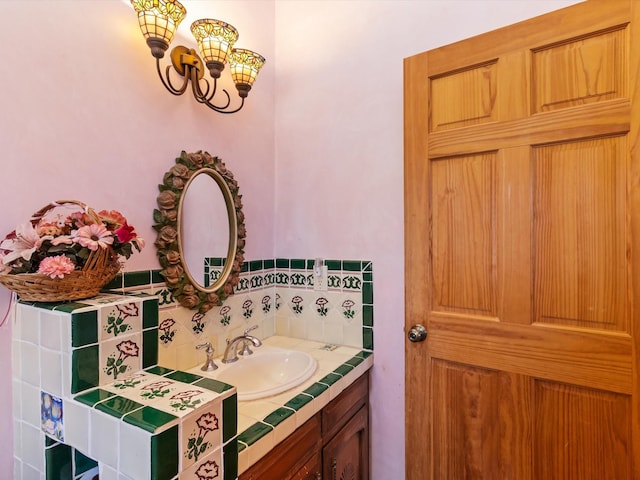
(100, 268)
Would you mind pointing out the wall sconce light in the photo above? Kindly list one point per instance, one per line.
(159, 20)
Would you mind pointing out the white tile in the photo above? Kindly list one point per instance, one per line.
(50, 325)
(108, 473)
(30, 324)
(243, 460)
(304, 414)
(33, 447)
(315, 330)
(31, 405)
(16, 355)
(297, 327)
(244, 422)
(66, 375)
(333, 333)
(281, 325)
(103, 438)
(208, 467)
(65, 334)
(76, 424)
(260, 448)
(17, 468)
(285, 428)
(30, 362)
(187, 356)
(16, 392)
(51, 372)
(31, 473)
(17, 439)
(268, 326)
(353, 335)
(258, 409)
(135, 452)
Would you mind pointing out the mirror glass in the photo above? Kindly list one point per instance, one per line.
(201, 232)
(204, 226)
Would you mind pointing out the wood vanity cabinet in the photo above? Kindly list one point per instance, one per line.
(331, 445)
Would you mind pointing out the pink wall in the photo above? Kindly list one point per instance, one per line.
(83, 116)
(340, 153)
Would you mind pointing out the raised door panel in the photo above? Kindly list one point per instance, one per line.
(346, 456)
(312, 470)
(580, 234)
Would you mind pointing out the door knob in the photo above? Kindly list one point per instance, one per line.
(417, 333)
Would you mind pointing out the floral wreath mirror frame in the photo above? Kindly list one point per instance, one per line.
(167, 218)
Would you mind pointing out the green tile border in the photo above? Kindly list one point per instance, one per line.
(83, 463)
(85, 368)
(343, 369)
(84, 328)
(58, 458)
(118, 406)
(278, 416)
(164, 454)
(298, 401)
(184, 377)
(229, 417)
(149, 419)
(254, 433)
(150, 313)
(230, 460)
(158, 370)
(330, 379)
(213, 385)
(316, 389)
(92, 397)
(136, 279)
(150, 348)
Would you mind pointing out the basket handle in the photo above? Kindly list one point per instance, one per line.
(36, 217)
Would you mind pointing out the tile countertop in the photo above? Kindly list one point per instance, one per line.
(264, 423)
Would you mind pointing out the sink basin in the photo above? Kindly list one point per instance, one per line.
(267, 372)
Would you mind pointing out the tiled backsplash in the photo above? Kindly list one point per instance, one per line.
(278, 296)
(107, 365)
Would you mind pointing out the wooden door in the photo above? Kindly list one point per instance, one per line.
(522, 254)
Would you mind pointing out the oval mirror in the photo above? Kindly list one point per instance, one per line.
(201, 233)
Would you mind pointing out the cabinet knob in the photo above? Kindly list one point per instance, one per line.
(417, 333)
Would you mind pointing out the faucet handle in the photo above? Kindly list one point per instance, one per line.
(245, 350)
(209, 364)
(246, 332)
(207, 345)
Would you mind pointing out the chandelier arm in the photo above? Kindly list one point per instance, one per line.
(201, 96)
(167, 83)
(221, 107)
(198, 93)
(223, 110)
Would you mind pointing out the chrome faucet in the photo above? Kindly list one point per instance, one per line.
(209, 364)
(242, 341)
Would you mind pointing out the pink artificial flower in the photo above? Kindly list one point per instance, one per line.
(25, 242)
(3, 267)
(113, 217)
(56, 267)
(94, 236)
(66, 239)
(125, 233)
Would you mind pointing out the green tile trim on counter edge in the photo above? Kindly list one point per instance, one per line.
(254, 433)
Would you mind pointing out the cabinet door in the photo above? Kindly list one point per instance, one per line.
(312, 470)
(290, 455)
(346, 456)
